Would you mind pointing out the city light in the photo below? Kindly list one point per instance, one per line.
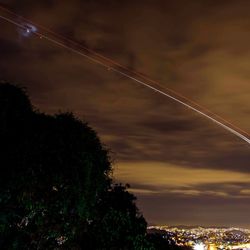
(199, 246)
(202, 238)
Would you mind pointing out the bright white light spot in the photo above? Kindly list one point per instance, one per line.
(199, 246)
(27, 29)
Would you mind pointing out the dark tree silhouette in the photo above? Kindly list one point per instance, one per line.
(161, 241)
(55, 184)
(119, 224)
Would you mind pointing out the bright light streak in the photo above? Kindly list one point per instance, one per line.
(143, 76)
(137, 77)
(25, 29)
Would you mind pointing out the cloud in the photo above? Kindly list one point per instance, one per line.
(8, 48)
(193, 192)
(245, 192)
(168, 176)
(209, 210)
(157, 178)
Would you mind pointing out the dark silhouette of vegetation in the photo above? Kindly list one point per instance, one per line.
(119, 217)
(161, 241)
(56, 190)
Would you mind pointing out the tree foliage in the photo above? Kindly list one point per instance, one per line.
(55, 184)
(164, 242)
(118, 211)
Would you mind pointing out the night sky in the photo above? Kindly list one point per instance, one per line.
(183, 168)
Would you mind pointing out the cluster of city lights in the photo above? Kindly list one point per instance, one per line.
(200, 238)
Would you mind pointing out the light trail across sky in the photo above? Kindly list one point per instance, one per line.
(64, 42)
